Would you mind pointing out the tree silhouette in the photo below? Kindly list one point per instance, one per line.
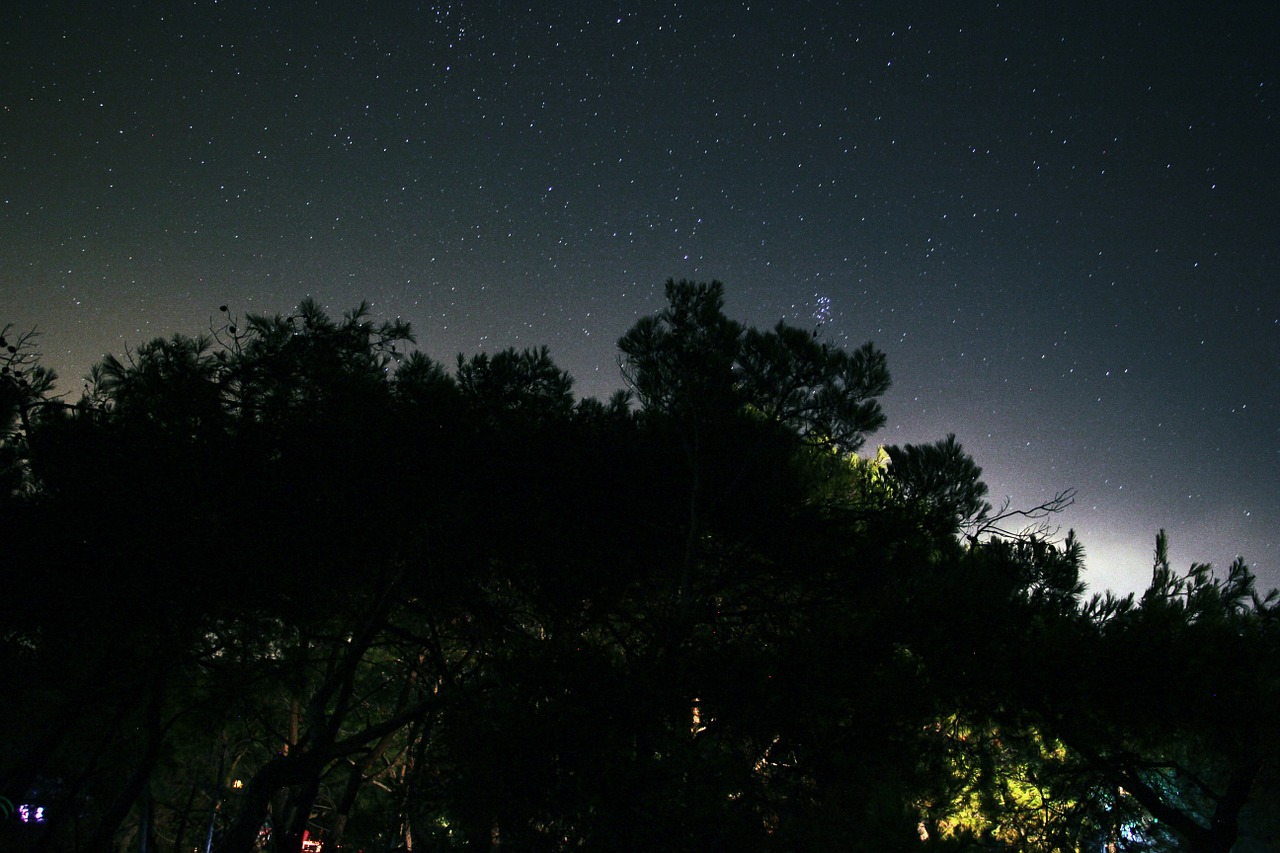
(25, 387)
(296, 574)
(941, 482)
(691, 362)
(1182, 717)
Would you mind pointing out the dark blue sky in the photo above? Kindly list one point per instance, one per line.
(1059, 223)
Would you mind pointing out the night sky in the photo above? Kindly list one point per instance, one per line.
(1059, 220)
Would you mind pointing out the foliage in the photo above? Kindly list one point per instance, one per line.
(25, 387)
(940, 481)
(295, 573)
(692, 363)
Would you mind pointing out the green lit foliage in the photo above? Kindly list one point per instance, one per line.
(1011, 787)
(848, 482)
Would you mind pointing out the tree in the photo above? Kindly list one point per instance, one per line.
(824, 393)
(527, 384)
(692, 363)
(1178, 706)
(940, 482)
(247, 457)
(741, 405)
(25, 388)
(680, 361)
(1159, 707)
(403, 606)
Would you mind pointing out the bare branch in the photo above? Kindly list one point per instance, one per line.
(996, 524)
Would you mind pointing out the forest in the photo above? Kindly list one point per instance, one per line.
(291, 584)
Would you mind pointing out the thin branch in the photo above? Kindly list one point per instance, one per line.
(994, 524)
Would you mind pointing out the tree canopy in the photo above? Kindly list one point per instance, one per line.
(294, 583)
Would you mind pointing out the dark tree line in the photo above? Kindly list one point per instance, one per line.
(295, 580)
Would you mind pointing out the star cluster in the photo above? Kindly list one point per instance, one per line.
(1058, 221)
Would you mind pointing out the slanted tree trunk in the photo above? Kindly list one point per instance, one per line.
(184, 817)
(298, 816)
(355, 782)
(138, 780)
(1224, 828)
(305, 760)
(281, 772)
(360, 769)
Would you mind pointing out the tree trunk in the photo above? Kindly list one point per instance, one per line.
(144, 820)
(298, 816)
(1224, 828)
(282, 772)
(123, 803)
(360, 769)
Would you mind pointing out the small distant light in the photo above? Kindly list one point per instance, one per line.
(237, 783)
